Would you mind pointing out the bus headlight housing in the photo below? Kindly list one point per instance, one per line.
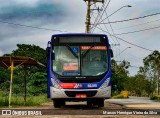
(55, 84)
(105, 84)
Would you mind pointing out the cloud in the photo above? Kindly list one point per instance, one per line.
(50, 14)
(43, 15)
(41, 11)
(70, 16)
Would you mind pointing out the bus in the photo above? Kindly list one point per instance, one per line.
(79, 68)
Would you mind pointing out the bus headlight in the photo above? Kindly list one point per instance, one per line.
(55, 84)
(105, 84)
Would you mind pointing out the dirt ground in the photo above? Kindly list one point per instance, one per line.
(74, 110)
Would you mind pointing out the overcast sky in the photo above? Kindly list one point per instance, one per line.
(69, 16)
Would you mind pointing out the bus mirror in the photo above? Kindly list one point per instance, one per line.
(111, 53)
(48, 48)
(53, 56)
(47, 51)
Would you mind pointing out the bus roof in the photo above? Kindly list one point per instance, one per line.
(78, 34)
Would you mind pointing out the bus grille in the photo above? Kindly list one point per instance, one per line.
(73, 93)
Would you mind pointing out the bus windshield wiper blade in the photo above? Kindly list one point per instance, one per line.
(84, 54)
(70, 49)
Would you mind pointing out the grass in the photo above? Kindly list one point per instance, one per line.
(19, 100)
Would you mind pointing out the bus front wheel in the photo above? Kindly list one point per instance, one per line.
(58, 103)
(95, 102)
(100, 102)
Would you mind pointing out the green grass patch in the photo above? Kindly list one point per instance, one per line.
(19, 100)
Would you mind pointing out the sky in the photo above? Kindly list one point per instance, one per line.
(35, 21)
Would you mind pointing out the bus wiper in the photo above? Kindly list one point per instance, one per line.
(85, 53)
(70, 49)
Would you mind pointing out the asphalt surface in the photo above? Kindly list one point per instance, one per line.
(136, 102)
(134, 107)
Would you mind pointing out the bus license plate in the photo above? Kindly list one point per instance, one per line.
(81, 95)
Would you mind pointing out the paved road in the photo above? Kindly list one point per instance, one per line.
(136, 102)
(75, 110)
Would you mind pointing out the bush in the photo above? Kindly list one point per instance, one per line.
(154, 97)
(123, 94)
(1, 92)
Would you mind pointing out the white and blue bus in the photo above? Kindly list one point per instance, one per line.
(79, 69)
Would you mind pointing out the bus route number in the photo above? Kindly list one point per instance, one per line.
(92, 85)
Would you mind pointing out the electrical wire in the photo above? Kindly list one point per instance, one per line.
(10, 23)
(120, 21)
(99, 14)
(128, 42)
(117, 49)
(138, 24)
(138, 30)
(100, 17)
(111, 27)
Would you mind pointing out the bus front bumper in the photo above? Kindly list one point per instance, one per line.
(72, 93)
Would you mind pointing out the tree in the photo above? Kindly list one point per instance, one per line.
(138, 85)
(119, 76)
(39, 54)
(4, 79)
(151, 69)
(37, 85)
(35, 75)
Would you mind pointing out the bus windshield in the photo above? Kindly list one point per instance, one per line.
(80, 60)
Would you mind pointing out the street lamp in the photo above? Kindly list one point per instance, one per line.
(95, 25)
(115, 12)
(122, 51)
(95, 0)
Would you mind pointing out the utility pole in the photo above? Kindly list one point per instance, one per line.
(88, 17)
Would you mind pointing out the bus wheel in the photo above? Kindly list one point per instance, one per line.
(100, 102)
(90, 103)
(58, 103)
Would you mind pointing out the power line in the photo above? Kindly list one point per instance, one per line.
(99, 17)
(138, 24)
(112, 32)
(139, 30)
(134, 44)
(127, 41)
(99, 14)
(10, 23)
(131, 19)
(111, 26)
(107, 31)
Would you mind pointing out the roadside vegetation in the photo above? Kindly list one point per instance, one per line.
(19, 100)
(145, 83)
(36, 79)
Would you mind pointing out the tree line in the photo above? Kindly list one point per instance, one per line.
(144, 83)
(36, 77)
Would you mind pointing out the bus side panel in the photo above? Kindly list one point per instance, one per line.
(49, 73)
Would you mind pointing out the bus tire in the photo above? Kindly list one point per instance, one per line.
(90, 103)
(58, 103)
(100, 102)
